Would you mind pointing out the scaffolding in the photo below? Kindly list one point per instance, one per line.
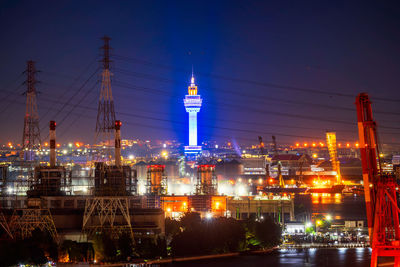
(156, 180)
(114, 181)
(207, 183)
(107, 215)
(49, 181)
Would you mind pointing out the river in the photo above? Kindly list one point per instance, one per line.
(344, 257)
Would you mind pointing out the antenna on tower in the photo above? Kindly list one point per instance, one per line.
(31, 134)
(105, 112)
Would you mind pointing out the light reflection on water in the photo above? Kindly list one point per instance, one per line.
(345, 257)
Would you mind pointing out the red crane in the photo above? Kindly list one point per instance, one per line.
(380, 189)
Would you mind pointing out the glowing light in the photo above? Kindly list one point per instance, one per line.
(131, 157)
(169, 209)
(381, 155)
(357, 145)
(315, 156)
(250, 181)
(70, 145)
(347, 145)
(305, 144)
(209, 215)
(313, 144)
(260, 181)
(192, 103)
(328, 217)
(241, 190)
(164, 154)
(271, 180)
(46, 144)
(77, 144)
(318, 222)
(9, 190)
(341, 144)
(64, 152)
(308, 225)
(58, 145)
(297, 144)
(217, 205)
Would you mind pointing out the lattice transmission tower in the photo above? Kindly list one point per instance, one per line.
(105, 112)
(31, 135)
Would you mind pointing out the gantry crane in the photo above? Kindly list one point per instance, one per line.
(380, 190)
(280, 177)
(262, 153)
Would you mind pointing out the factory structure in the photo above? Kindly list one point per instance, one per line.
(109, 200)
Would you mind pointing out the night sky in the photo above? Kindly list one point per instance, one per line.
(291, 68)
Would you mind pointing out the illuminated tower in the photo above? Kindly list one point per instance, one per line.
(192, 103)
(331, 143)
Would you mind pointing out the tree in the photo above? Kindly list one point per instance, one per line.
(268, 232)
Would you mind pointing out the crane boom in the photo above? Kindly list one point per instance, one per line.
(262, 152)
(280, 177)
(380, 189)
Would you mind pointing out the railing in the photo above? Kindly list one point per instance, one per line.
(324, 245)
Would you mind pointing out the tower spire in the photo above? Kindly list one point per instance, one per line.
(31, 135)
(192, 79)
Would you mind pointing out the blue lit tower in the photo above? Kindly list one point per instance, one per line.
(192, 103)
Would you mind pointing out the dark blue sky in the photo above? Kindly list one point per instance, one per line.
(262, 67)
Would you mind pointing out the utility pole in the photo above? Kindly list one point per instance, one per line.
(31, 134)
(105, 113)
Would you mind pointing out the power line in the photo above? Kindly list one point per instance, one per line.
(243, 94)
(252, 82)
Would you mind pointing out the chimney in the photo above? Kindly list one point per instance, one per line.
(52, 143)
(118, 143)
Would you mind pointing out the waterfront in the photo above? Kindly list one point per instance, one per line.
(345, 257)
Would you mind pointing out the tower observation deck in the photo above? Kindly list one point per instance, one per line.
(192, 103)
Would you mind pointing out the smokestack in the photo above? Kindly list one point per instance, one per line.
(118, 143)
(52, 143)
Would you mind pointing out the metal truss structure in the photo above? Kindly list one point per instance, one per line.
(107, 214)
(381, 190)
(31, 135)
(332, 148)
(4, 225)
(105, 113)
(24, 221)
